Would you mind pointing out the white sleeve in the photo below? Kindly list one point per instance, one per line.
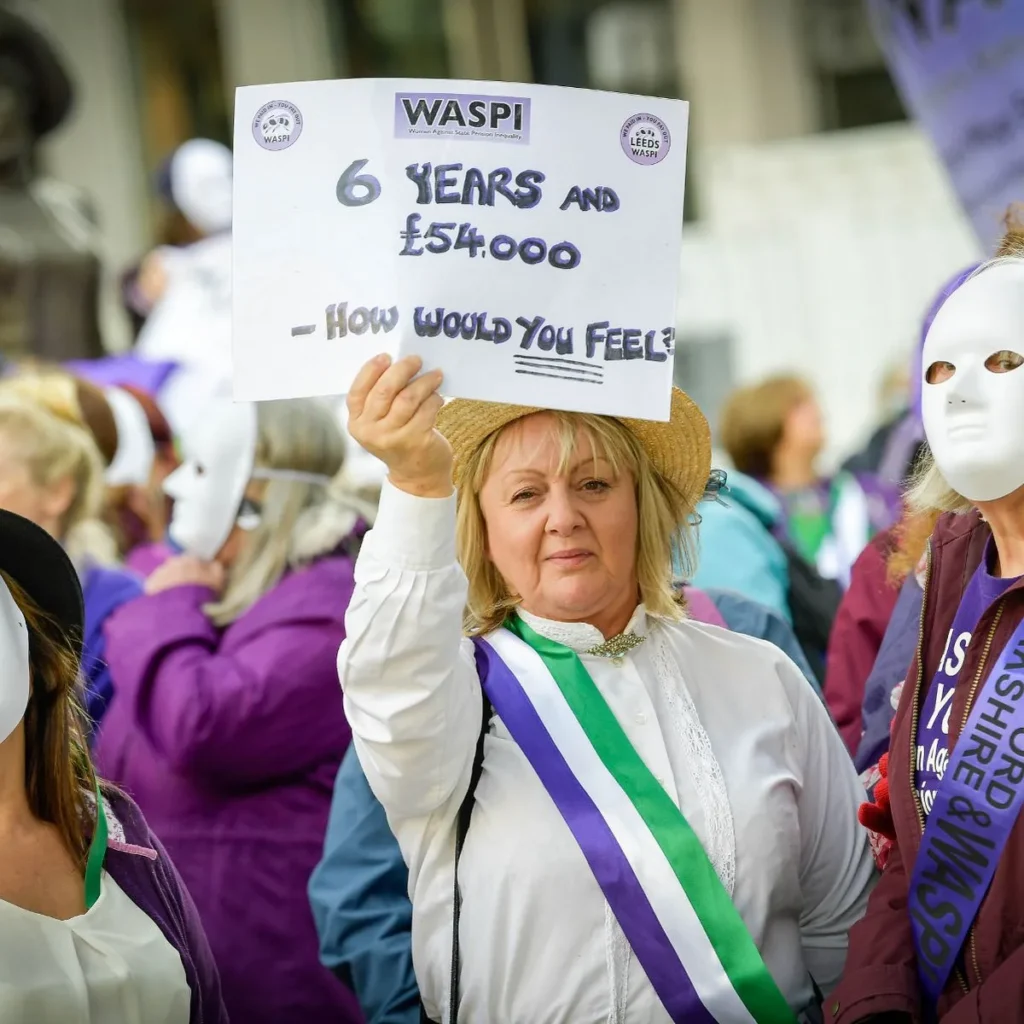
(837, 871)
(412, 695)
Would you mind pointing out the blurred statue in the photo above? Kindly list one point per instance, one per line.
(49, 270)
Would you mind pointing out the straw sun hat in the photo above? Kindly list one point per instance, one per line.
(680, 449)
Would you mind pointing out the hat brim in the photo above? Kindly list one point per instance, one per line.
(680, 449)
(41, 567)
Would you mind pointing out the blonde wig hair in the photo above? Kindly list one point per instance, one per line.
(664, 521)
(42, 419)
(300, 521)
(929, 491)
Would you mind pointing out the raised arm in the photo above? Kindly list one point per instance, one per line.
(412, 695)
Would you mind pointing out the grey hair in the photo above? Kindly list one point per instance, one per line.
(301, 521)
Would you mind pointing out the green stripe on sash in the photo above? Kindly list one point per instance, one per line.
(97, 854)
(720, 919)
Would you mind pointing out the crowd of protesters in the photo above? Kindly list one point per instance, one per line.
(393, 709)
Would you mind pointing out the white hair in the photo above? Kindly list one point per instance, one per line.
(300, 521)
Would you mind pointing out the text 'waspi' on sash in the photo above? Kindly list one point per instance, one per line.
(673, 909)
(976, 806)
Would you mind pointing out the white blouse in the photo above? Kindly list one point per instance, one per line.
(110, 965)
(726, 723)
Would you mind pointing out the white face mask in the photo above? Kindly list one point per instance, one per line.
(136, 453)
(972, 401)
(16, 680)
(209, 486)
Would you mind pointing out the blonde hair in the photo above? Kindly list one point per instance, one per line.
(664, 521)
(929, 491)
(300, 521)
(754, 419)
(54, 444)
(910, 541)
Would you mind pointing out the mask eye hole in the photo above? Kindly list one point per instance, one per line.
(1003, 361)
(200, 469)
(939, 371)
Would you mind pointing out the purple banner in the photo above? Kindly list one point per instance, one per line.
(959, 65)
(976, 806)
(444, 115)
(612, 870)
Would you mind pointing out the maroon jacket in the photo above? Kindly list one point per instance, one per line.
(856, 636)
(881, 973)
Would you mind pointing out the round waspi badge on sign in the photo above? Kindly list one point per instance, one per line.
(277, 125)
(645, 139)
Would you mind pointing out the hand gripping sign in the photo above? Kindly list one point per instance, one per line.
(524, 239)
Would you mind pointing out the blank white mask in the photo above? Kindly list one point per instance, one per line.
(16, 678)
(972, 401)
(209, 485)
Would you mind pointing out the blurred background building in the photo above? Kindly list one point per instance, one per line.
(818, 221)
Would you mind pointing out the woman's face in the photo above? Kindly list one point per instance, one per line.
(19, 493)
(564, 543)
(804, 431)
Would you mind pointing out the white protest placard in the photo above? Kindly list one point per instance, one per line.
(525, 239)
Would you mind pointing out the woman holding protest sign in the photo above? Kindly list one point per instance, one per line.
(647, 842)
(942, 937)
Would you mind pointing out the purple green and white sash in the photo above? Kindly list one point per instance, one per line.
(671, 905)
(976, 805)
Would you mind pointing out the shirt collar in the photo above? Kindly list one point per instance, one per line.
(580, 636)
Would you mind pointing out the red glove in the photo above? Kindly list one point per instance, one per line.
(877, 816)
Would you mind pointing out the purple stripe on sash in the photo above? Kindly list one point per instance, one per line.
(612, 870)
(976, 806)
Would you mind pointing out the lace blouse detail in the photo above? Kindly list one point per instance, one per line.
(718, 834)
(719, 837)
(617, 956)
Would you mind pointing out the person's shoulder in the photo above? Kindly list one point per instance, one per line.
(127, 829)
(746, 495)
(147, 558)
(313, 593)
(106, 588)
(735, 659)
(327, 575)
(720, 642)
(115, 578)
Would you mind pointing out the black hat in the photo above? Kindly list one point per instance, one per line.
(41, 567)
(47, 83)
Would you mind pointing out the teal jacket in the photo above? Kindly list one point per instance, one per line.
(736, 548)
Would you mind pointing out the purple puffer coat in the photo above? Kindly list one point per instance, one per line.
(230, 741)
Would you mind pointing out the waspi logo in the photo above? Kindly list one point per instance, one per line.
(463, 116)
